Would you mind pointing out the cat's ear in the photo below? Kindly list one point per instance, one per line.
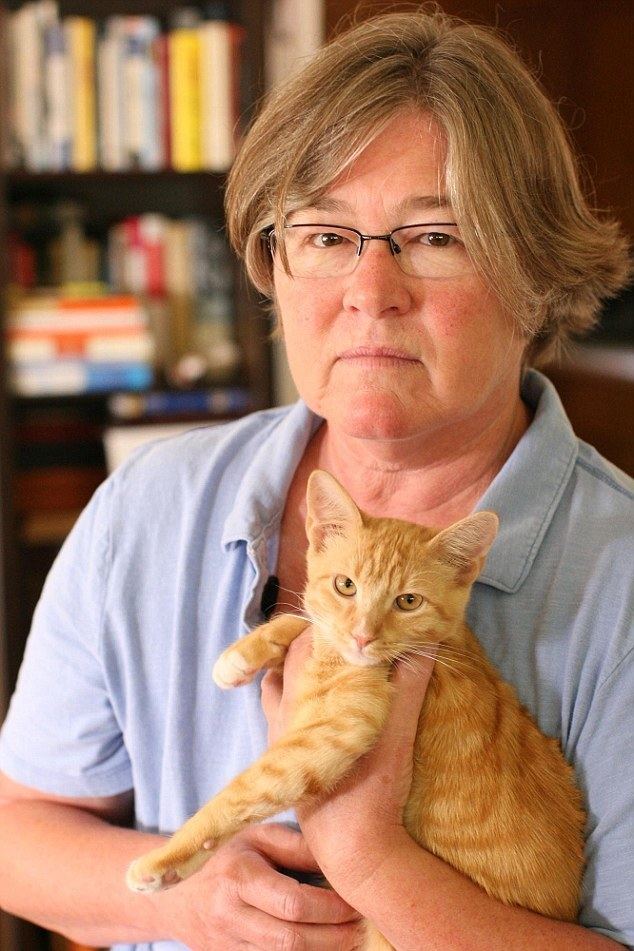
(330, 510)
(465, 544)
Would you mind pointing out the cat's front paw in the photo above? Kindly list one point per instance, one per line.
(232, 669)
(157, 871)
(141, 878)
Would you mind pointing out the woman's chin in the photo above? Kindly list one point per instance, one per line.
(374, 417)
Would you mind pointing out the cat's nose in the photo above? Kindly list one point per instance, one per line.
(362, 638)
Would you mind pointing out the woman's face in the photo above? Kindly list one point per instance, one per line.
(380, 354)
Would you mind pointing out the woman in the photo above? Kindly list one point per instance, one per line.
(411, 206)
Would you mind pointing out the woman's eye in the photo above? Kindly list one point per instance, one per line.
(344, 586)
(437, 239)
(408, 602)
(327, 240)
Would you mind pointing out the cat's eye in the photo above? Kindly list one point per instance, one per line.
(344, 586)
(408, 602)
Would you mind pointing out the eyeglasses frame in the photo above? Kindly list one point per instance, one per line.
(267, 234)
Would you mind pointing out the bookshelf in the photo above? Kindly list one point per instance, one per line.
(28, 545)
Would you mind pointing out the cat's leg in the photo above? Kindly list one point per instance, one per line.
(266, 646)
(334, 726)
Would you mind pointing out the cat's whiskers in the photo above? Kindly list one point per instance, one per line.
(294, 612)
(296, 594)
(451, 663)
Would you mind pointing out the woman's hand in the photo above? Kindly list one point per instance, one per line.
(240, 900)
(361, 823)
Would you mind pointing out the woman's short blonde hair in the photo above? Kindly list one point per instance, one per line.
(511, 176)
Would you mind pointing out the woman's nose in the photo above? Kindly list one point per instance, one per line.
(377, 287)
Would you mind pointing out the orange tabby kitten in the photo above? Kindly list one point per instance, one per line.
(490, 794)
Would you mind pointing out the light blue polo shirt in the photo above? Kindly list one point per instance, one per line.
(167, 566)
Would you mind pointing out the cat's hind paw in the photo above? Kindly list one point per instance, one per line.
(232, 669)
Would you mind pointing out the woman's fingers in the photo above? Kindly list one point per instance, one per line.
(410, 678)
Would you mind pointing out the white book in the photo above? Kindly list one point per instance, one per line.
(29, 25)
(57, 104)
(142, 141)
(110, 96)
(89, 320)
(137, 347)
(218, 93)
(296, 31)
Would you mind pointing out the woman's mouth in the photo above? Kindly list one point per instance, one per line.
(378, 355)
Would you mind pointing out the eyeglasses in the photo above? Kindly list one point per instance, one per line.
(429, 250)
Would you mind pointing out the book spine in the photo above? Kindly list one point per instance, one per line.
(140, 80)
(69, 377)
(111, 97)
(28, 112)
(184, 78)
(161, 58)
(221, 43)
(218, 401)
(124, 344)
(56, 65)
(81, 44)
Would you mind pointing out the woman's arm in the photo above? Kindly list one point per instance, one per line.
(414, 898)
(67, 861)
(417, 900)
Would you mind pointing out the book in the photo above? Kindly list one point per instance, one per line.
(160, 52)
(128, 344)
(184, 88)
(74, 376)
(80, 34)
(111, 95)
(165, 404)
(27, 30)
(220, 45)
(50, 312)
(57, 98)
(78, 345)
(142, 144)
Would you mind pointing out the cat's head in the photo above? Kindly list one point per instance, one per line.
(380, 586)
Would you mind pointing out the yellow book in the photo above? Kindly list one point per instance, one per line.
(184, 88)
(80, 33)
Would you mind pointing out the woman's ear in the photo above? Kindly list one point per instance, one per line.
(465, 544)
(330, 510)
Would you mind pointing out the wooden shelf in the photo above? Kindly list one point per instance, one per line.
(30, 537)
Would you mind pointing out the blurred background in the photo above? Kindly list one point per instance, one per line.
(123, 315)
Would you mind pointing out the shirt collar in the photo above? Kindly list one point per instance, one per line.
(524, 494)
(259, 501)
(526, 491)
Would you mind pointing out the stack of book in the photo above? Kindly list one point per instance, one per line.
(67, 345)
(124, 93)
(180, 269)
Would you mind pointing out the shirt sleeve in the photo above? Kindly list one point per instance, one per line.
(61, 735)
(604, 763)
